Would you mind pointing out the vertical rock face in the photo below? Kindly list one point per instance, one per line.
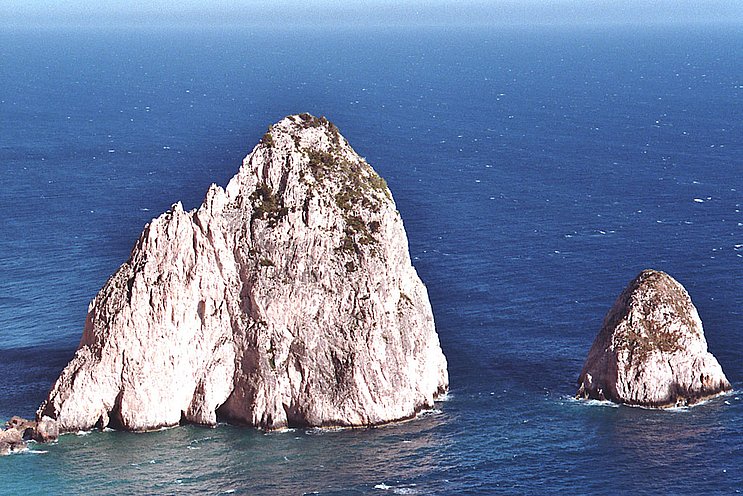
(287, 298)
(651, 349)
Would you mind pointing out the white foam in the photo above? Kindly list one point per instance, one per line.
(674, 408)
(411, 489)
(592, 402)
(208, 438)
(19, 450)
(445, 397)
(432, 411)
(319, 431)
(282, 430)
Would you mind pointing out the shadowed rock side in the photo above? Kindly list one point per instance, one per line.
(651, 349)
(287, 298)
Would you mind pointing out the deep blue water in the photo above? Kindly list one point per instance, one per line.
(537, 172)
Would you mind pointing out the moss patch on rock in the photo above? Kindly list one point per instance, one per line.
(359, 187)
(267, 140)
(267, 205)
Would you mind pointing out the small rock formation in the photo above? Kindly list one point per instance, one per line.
(286, 299)
(22, 425)
(46, 430)
(651, 349)
(19, 430)
(11, 440)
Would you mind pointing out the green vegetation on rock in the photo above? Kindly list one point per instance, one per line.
(267, 205)
(267, 140)
(359, 186)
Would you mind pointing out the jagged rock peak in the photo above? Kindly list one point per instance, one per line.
(287, 298)
(651, 349)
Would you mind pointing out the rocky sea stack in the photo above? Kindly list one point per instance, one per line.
(651, 349)
(286, 299)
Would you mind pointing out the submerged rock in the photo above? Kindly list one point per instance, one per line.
(287, 298)
(651, 349)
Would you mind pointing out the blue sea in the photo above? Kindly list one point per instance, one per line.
(537, 171)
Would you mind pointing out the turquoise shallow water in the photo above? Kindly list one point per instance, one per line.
(467, 447)
(537, 171)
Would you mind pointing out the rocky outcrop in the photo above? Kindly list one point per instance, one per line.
(22, 425)
(286, 299)
(46, 430)
(651, 349)
(11, 440)
(19, 430)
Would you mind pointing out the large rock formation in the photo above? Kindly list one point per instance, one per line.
(651, 349)
(287, 298)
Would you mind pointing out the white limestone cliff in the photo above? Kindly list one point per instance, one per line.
(288, 298)
(651, 349)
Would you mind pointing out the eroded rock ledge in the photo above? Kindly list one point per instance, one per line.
(651, 349)
(287, 298)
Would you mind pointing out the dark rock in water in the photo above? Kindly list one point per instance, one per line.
(287, 298)
(651, 349)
